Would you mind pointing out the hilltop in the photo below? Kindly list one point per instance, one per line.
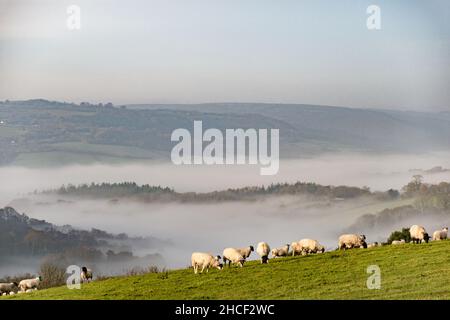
(407, 272)
(36, 132)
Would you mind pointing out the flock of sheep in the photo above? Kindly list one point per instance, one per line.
(202, 260)
(29, 285)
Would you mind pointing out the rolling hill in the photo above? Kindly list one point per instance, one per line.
(40, 132)
(407, 272)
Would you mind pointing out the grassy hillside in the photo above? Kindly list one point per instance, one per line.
(407, 272)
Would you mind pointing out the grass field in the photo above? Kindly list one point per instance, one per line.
(82, 153)
(407, 272)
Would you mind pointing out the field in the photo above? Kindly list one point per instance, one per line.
(407, 272)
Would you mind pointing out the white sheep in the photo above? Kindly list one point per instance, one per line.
(29, 291)
(296, 248)
(440, 234)
(205, 261)
(263, 249)
(232, 255)
(373, 245)
(396, 242)
(8, 287)
(245, 252)
(308, 246)
(418, 234)
(12, 293)
(281, 252)
(86, 275)
(26, 284)
(349, 241)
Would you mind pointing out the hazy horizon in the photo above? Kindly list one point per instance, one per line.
(308, 52)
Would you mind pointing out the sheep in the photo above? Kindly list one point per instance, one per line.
(245, 252)
(205, 261)
(86, 275)
(418, 234)
(8, 287)
(232, 255)
(396, 242)
(263, 249)
(440, 234)
(281, 252)
(29, 283)
(29, 291)
(295, 246)
(307, 246)
(348, 241)
(12, 293)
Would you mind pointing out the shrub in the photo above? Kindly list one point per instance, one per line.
(52, 275)
(399, 235)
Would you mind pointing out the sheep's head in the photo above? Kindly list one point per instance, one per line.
(445, 229)
(426, 237)
(39, 278)
(84, 269)
(15, 284)
(362, 237)
(252, 249)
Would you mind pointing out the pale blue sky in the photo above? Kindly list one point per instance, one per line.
(188, 51)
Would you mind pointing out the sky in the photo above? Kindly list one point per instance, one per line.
(178, 51)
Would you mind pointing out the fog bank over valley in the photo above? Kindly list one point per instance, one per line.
(182, 228)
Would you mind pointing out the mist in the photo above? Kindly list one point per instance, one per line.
(379, 172)
(212, 227)
(203, 227)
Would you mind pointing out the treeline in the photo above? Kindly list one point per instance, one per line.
(21, 235)
(428, 195)
(108, 190)
(158, 193)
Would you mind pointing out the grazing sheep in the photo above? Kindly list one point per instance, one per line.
(26, 284)
(440, 234)
(232, 255)
(396, 242)
(4, 294)
(418, 234)
(86, 275)
(311, 246)
(349, 241)
(12, 293)
(29, 290)
(281, 252)
(245, 252)
(205, 261)
(8, 287)
(307, 246)
(263, 249)
(296, 248)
